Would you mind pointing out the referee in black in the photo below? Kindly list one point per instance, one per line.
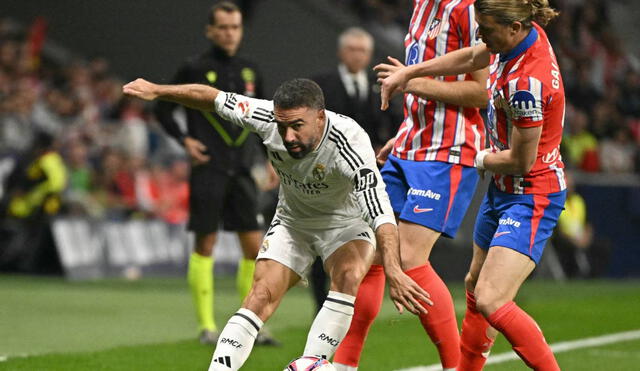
(222, 154)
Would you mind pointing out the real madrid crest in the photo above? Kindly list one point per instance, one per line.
(319, 172)
(265, 246)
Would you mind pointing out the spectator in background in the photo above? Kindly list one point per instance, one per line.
(583, 94)
(351, 88)
(115, 185)
(629, 98)
(580, 145)
(573, 235)
(604, 116)
(618, 153)
(33, 196)
(78, 196)
(164, 192)
(222, 190)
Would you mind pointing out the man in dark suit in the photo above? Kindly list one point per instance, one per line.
(351, 88)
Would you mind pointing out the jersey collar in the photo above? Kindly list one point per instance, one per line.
(327, 123)
(522, 46)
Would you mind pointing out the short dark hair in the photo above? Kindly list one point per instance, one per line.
(225, 6)
(298, 93)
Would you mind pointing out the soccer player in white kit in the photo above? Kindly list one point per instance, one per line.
(332, 204)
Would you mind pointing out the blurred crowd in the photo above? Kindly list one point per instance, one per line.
(602, 81)
(113, 160)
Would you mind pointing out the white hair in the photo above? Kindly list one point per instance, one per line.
(354, 32)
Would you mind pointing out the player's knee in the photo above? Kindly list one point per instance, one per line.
(487, 300)
(261, 299)
(348, 279)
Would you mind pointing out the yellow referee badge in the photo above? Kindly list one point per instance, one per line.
(248, 75)
(212, 76)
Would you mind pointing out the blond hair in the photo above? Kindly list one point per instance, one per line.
(523, 11)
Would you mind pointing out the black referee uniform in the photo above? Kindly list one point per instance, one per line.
(222, 189)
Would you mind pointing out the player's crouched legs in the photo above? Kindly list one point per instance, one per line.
(271, 281)
(503, 272)
(346, 267)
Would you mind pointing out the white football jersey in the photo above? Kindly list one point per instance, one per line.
(336, 183)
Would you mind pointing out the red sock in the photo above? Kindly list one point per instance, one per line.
(473, 340)
(367, 306)
(525, 337)
(440, 323)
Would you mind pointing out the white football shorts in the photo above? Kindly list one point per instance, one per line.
(298, 248)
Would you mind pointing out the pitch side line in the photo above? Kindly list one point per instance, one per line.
(563, 346)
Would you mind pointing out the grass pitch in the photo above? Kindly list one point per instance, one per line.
(52, 324)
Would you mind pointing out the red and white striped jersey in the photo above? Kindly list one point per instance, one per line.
(431, 130)
(526, 90)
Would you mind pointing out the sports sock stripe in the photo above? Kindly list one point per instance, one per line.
(339, 301)
(255, 325)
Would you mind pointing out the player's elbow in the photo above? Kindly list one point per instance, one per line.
(524, 166)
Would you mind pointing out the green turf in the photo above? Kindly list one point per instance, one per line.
(51, 324)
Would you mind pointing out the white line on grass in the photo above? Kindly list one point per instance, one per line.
(560, 347)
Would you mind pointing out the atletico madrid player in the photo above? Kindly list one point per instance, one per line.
(429, 174)
(524, 201)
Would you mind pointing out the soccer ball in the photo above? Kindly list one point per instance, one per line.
(310, 364)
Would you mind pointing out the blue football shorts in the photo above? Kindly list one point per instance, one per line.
(522, 223)
(430, 193)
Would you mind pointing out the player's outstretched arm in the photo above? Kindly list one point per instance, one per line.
(467, 93)
(458, 62)
(403, 290)
(196, 96)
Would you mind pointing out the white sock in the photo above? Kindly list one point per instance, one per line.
(236, 341)
(330, 326)
(341, 367)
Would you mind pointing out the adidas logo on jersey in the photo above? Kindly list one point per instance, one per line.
(509, 221)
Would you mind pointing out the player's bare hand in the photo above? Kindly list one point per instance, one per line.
(406, 293)
(392, 84)
(141, 88)
(384, 70)
(383, 153)
(196, 150)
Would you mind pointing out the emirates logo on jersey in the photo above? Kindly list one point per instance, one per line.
(434, 28)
